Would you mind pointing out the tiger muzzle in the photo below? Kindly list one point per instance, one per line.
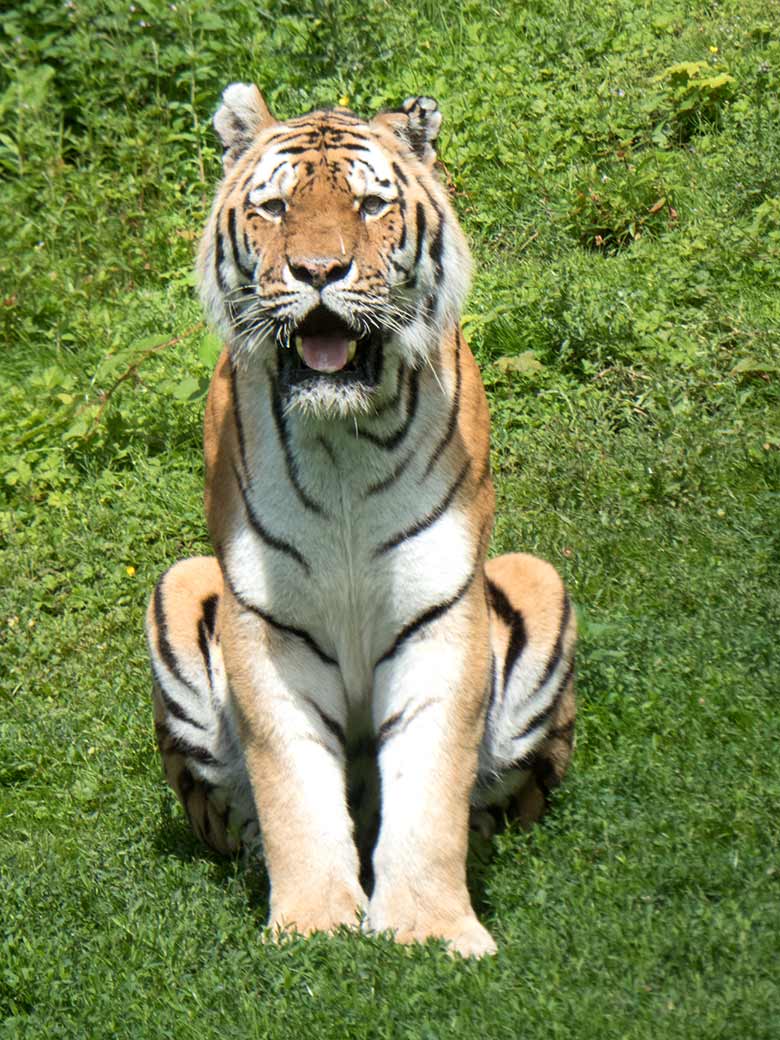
(327, 347)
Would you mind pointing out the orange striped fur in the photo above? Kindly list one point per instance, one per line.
(348, 653)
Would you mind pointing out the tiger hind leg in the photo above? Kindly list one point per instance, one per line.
(529, 729)
(194, 724)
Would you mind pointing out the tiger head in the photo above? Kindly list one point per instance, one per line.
(332, 253)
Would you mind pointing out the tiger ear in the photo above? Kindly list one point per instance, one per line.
(417, 123)
(239, 119)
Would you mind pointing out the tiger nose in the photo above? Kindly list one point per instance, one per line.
(319, 271)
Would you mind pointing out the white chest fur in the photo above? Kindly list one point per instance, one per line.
(343, 528)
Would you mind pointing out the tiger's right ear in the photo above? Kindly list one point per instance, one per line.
(239, 119)
(416, 123)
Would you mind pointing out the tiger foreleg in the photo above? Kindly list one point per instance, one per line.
(291, 710)
(529, 729)
(429, 699)
(195, 730)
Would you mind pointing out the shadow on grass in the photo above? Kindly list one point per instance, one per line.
(484, 851)
(174, 839)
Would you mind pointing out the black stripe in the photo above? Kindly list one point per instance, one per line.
(420, 211)
(436, 247)
(400, 174)
(219, 256)
(237, 413)
(173, 707)
(209, 607)
(203, 643)
(335, 140)
(330, 723)
(248, 275)
(377, 362)
(562, 732)
(289, 630)
(492, 686)
(515, 647)
(514, 620)
(296, 149)
(164, 647)
(270, 177)
(263, 533)
(452, 421)
(426, 618)
(500, 603)
(392, 477)
(193, 751)
(398, 722)
(402, 239)
(299, 133)
(431, 198)
(557, 650)
(290, 462)
(426, 521)
(392, 441)
(337, 133)
(385, 730)
(392, 404)
(538, 720)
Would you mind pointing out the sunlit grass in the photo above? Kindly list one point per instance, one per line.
(629, 347)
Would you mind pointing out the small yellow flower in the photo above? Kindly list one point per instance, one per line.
(130, 571)
(713, 49)
(344, 100)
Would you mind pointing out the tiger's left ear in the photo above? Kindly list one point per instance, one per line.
(239, 119)
(417, 123)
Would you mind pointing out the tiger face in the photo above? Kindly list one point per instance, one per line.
(332, 253)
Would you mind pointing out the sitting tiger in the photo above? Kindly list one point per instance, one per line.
(349, 610)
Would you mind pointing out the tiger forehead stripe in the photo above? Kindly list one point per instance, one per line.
(273, 170)
(330, 139)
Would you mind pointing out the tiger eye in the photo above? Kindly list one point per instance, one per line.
(373, 204)
(273, 207)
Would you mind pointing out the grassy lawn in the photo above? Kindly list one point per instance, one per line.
(616, 167)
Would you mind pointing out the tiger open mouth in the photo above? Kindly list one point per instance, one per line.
(326, 347)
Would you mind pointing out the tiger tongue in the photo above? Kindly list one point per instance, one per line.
(325, 353)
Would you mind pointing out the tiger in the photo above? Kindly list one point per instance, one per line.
(349, 613)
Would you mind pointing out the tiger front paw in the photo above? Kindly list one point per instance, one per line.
(463, 934)
(331, 911)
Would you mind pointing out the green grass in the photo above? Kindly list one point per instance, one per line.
(625, 219)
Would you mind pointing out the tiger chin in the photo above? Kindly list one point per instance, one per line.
(349, 653)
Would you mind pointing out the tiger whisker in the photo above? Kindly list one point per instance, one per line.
(435, 374)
